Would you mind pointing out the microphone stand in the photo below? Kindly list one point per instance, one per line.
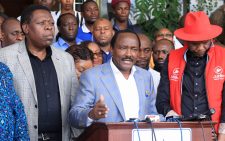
(201, 117)
(148, 120)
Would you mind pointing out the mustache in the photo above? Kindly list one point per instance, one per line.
(160, 59)
(128, 59)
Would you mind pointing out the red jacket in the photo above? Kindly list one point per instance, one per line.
(214, 79)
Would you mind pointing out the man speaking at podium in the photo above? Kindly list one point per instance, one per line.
(192, 80)
(116, 90)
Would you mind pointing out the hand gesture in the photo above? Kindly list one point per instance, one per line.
(100, 110)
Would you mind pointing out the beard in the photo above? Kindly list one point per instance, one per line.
(70, 39)
(144, 65)
(102, 44)
(158, 66)
(91, 22)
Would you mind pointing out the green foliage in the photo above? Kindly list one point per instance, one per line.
(155, 14)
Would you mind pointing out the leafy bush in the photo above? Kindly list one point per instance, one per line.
(152, 15)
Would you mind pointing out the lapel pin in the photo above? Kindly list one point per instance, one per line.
(147, 93)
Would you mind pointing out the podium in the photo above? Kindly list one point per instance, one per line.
(123, 131)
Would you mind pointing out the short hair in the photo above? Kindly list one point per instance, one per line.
(78, 52)
(59, 21)
(85, 43)
(100, 20)
(114, 38)
(157, 32)
(27, 13)
(5, 22)
(4, 16)
(86, 2)
(163, 41)
(145, 36)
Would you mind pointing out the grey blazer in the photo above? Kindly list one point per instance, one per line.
(17, 59)
(101, 81)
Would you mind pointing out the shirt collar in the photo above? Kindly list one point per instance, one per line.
(185, 54)
(48, 53)
(116, 27)
(105, 52)
(62, 42)
(85, 29)
(117, 71)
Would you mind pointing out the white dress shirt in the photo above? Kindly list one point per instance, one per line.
(156, 78)
(128, 91)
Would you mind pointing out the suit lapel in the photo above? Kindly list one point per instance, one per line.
(141, 92)
(27, 68)
(109, 81)
(57, 63)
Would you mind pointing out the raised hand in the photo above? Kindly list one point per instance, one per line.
(100, 110)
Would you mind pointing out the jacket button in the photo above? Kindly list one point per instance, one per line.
(35, 106)
(35, 126)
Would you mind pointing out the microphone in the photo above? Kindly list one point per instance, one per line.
(207, 115)
(197, 117)
(173, 118)
(149, 119)
(133, 120)
(152, 118)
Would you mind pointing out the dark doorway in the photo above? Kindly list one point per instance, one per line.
(13, 8)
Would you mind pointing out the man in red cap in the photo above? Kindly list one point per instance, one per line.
(121, 10)
(192, 80)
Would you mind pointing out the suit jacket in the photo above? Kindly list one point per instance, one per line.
(100, 80)
(17, 59)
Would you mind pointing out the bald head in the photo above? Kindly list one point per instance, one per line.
(164, 42)
(102, 21)
(103, 32)
(160, 51)
(11, 32)
(144, 52)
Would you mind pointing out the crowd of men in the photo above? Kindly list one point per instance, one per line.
(71, 69)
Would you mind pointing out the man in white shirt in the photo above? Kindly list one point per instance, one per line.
(117, 90)
(144, 58)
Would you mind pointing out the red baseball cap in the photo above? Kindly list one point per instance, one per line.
(197, 27)
(115, 2)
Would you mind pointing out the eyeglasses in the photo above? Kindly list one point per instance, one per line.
(168, 35)
(98, 54)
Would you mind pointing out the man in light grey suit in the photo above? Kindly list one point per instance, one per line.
(117, 90)
(44, 77)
